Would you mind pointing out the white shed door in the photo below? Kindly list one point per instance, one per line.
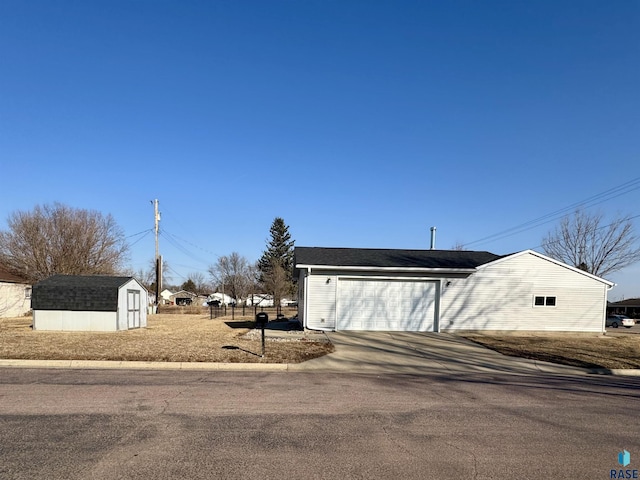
(386, 305)
(133, 309)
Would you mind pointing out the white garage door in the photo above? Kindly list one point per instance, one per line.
(386, 305)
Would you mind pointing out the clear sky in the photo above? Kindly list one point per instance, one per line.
(361, 123)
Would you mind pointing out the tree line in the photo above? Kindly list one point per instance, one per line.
(58, 239)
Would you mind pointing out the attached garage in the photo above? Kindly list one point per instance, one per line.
(89, 303)
(386, 305)
(444, 290)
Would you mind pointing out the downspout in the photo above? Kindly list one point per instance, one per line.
(604, 314)
(305, 312)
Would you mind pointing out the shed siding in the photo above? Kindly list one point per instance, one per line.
(500, 296)
(321, 298)
(67, 320)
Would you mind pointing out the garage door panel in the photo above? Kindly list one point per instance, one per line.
(386, 305)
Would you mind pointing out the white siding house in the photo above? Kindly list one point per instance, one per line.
(525, 291)
(259, 299)
(221, 298)
(439, 290)
(96, 303)
(15, 295)
(165, 297)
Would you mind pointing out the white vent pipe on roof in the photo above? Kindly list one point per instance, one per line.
(433, 238)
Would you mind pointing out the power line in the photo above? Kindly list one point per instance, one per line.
(176, 273)
(142, 237)
(140, 233)
(591, 201)
(173, 240)
(193, 244)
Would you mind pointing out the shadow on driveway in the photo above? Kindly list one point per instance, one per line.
(419, 353)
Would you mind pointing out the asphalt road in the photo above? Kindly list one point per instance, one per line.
(623, 330)
(84, 424)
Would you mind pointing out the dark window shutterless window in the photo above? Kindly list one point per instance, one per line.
(540, 301)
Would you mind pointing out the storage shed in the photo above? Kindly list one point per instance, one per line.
(89, 303)
(445, 290)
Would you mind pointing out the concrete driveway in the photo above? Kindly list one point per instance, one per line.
(419, 353)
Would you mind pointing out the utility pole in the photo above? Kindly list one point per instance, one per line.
(156, 218)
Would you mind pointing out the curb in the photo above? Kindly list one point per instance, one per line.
(246, 367)
(113, 365)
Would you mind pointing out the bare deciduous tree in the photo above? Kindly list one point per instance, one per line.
(60, 239)
(200, 282)
(276, 282)
(234, 273)
(458, 246)
(584, 241)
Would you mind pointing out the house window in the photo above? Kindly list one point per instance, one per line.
(544, 301)
(27, 292)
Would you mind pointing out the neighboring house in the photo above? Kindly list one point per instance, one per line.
(629, 307)
(165, 297)
(15, 294)
(288, 302)
(221, 298)
(89, 303)
(259, 299)
(182, 298)
(445, 290)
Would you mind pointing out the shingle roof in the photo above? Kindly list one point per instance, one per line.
(78, 293)
(7, 276)
(629, 302)
(391, 258)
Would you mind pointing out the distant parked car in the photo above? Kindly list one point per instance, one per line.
(616, 321)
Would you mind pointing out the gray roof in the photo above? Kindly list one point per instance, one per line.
(98, 293)
(629, 302)
(391, 258)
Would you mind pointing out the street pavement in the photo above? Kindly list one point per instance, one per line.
(75, 424)
(383, 405)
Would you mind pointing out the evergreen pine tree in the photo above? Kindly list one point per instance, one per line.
(277, 260)
(189, 286)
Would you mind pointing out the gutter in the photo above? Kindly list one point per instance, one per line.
(386, 269)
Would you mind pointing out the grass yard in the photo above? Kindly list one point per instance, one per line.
(167, 338)
(580, 350)
(182, 337)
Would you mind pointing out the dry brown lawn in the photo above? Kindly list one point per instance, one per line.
(580, 350)
(167, 338)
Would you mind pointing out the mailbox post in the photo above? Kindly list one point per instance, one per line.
(261, 321)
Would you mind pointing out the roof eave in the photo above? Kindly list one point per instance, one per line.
(384, 269)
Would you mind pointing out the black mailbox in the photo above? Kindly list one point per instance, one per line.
(261, 319)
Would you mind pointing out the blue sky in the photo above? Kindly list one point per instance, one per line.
(361, 123)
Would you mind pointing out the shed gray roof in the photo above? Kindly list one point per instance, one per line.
(97, 293)
(391, 258)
